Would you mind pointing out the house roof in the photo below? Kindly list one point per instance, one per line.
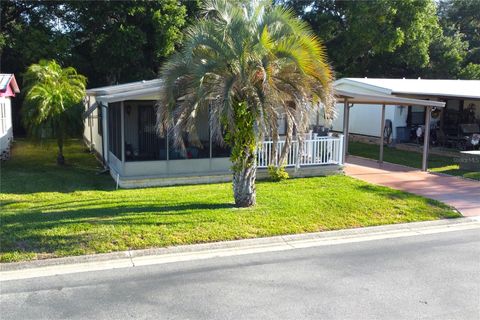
(418, 87)
(154, 85)
(8, 80)
(151, 88)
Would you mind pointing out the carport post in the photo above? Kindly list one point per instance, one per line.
(346, 116)
(382, 134)
(426, 138)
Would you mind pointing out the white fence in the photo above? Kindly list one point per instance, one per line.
(313, 152)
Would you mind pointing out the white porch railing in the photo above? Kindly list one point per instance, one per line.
(313, 152)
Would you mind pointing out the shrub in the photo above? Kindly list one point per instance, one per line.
(277, 173)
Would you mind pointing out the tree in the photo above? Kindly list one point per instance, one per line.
(463, 16)
(246, 63)
(471, 71)
(373, 38)
(52, 94)
(122, 41)
(29, 33)
(447, 56)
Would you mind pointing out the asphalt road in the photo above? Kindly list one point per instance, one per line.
(421, 277)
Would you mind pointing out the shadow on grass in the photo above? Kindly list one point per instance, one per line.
(28, 231)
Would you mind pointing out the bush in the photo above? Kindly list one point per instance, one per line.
(277, 173)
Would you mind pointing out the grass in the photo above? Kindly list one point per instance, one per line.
(48, 211)
(436, 163)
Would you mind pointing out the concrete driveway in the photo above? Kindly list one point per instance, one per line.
(462, 194)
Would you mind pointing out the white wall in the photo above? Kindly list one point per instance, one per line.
(6, 130)
(90, 132)
(366, 119)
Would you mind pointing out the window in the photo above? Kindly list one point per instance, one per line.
(99, 120)
(416, 116)
(3, 118)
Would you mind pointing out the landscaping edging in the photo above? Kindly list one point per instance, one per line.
(216, 249)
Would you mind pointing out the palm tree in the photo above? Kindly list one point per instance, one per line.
(247, 63)
(52, 95)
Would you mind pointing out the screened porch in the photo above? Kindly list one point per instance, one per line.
(136, 149)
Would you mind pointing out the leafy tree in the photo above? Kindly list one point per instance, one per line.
(447, 56)
(247, 64)
(373, 38)
(121, 41)
(52, 94)
(463, 16)
(28, 34)
(471, 71)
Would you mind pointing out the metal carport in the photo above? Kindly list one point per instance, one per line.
(351, 98)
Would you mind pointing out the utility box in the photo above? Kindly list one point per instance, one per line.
(403, 134)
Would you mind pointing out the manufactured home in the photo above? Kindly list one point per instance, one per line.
(8, 90)
(120, 127)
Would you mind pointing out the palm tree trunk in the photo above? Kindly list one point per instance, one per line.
(244, 190)
(60, 138)
(60, 157)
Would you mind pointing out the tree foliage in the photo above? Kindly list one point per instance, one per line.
(245, 64)
(121, 41)
(462, 17)
(52, 104)
(410, 38)
(373, 38)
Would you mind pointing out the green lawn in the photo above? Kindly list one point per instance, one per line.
(436, 163)
(47, 211)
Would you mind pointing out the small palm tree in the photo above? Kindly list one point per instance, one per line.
(53, 95)
(248, 63)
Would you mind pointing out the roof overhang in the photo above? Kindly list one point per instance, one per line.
(10, 82)
(152, 93)
(126, 88)
(363, 98)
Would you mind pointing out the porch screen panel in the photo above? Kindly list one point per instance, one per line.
(115, 129)
(197, 142)
(151, 146)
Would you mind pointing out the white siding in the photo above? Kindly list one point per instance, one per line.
(91, 123)
(6, 130)
(366, 119)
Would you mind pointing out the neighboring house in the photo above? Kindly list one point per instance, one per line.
(461, 112)
(120, 127)
(8, 89)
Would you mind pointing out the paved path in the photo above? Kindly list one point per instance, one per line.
(462, 194)
(430, 276)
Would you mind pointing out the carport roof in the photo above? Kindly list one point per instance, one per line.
(469, 89)
(369, 98)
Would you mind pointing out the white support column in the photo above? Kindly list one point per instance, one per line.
(90, 124)
(382, 135)
(426, 138)
(122, 131)
(105, 134)
(346, 116)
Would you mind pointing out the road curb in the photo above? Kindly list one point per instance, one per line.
(133, 258)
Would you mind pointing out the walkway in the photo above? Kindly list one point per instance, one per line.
(462, 194)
